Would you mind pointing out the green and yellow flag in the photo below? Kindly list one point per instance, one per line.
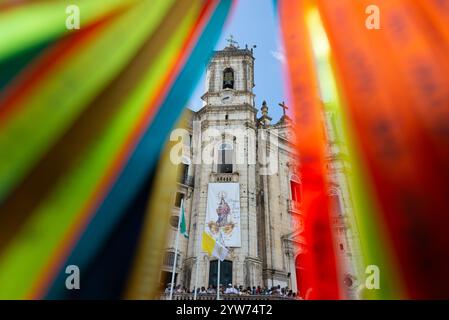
(183, 228)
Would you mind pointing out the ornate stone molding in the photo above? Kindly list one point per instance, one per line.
(227, 108)
(224, 177)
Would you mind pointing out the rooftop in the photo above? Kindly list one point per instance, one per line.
(233, 48)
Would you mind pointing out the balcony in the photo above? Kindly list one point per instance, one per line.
(186, 180)
(189, 296)
(294, 206)
(224, 177)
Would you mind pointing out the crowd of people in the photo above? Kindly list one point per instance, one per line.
(237, 290)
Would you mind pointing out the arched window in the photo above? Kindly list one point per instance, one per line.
(228, 78)
(302, 274)
(335, 204)
(225, 156)
(295, 188)
(296, 191)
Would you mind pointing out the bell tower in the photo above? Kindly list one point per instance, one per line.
(230, 77)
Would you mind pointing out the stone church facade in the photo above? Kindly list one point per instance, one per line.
(227, 143)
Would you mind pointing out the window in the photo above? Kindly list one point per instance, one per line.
(225, 155)
(228, 79)
(183, 170)
(348, 281)
(296, 191)
(174, 220)
(165, 279)
(335, 204)
(169, 259)
(179, 197)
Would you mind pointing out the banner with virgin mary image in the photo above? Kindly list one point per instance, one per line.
(223, 213)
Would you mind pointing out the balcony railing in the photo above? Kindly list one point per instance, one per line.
(224, 177)
(294, 206)
(189, 296)
(187, 180)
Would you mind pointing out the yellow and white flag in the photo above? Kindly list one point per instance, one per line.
(213, 247)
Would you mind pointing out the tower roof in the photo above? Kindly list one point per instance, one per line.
(233, 49)
(230, 51)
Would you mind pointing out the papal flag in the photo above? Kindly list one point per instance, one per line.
(213, 247)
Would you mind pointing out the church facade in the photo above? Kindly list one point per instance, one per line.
(239, 181)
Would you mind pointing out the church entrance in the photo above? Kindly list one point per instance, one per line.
(301, 279)
(225, 272)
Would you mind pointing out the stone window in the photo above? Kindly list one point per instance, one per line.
(296, 190)
(179, 197)
(225, 156)
(335, 204)
(174, 220)
(183, 170)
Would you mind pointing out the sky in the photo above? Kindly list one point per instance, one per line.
(253, 22)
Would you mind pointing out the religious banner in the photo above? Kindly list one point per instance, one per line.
(223, 213)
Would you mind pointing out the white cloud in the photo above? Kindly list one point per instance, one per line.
(279, 55)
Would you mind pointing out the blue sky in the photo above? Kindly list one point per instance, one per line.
(253, 22)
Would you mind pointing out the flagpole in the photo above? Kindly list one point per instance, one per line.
(218, 280)
(199, 251)
(176, 250)
(220, 239)
(196, 275)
